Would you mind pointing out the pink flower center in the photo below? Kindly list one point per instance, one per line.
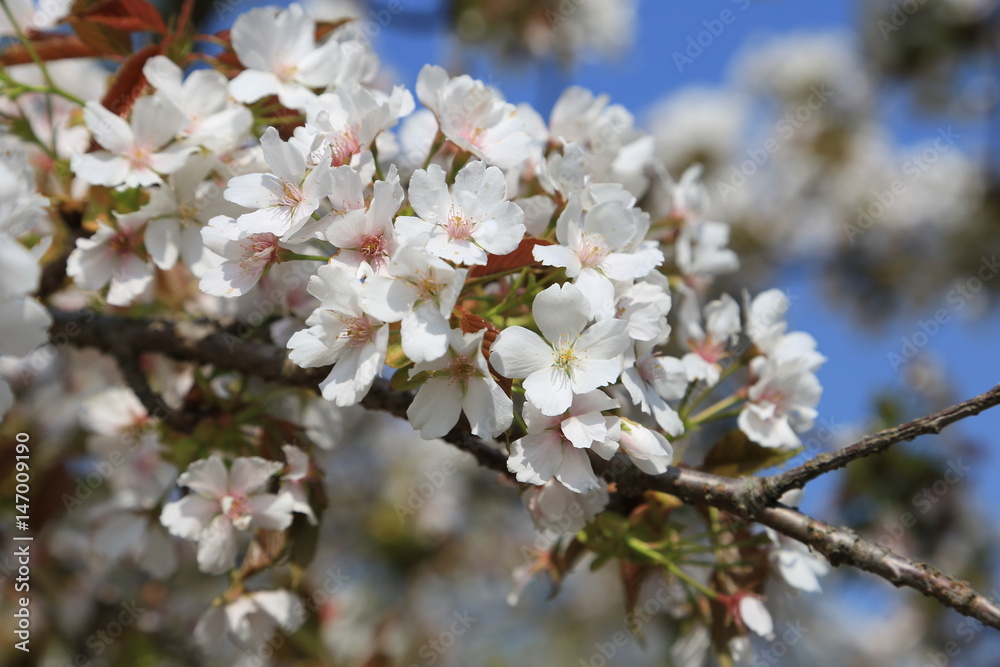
(343, 148)
(237, 508)
(373, 246)
(261, 247)
(286, 72)
(359, 331)
(139, 156)
(291, 195)
(707, 349)
(593, 249)
(460, 369)
(121, 243)
(458, 228)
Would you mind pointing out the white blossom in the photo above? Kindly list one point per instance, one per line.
(473, 117)
(420, 291)
(341, 333)
(569, 358)
(279, 50)
(555, 445)
(460, 381)
(464, 224)
(285, 198)
(136, 151)
(222, 502)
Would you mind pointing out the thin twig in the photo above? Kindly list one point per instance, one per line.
(774, 486)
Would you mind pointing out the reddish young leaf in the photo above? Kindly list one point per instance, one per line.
(130, 82)
(519, 258)
(49, 47)
(129, 15)
(471, 323)
(105, 40)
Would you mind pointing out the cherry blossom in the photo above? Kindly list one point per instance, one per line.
(420, 291)
(246, 256)
(653, 380)
(595, 248)
(708, 340)
(113, 256)
(279, 50)
(649, 451)
(464, 224)
(177, 211)
(557, 510)
(133, 155)
(293, 482)
(250, 619)
(473, 117)
(569, 358)
(341, 333)
(348, 120)
(21, 207)
(460, 381)
(222, 502)
(554, 446)
(363, 235)
(284, 198)
(203, 97)
(780, 403)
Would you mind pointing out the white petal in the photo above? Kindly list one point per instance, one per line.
(217, 546)
(188, 517)
(536, 459)
(272, 511)
(207, 477)
(561, 311)
(518, 352)
(549, 390)
(436, 408)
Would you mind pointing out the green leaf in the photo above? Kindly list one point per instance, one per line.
(735, 455)
(394, 356)
(401, 380)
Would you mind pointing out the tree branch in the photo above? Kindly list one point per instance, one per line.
(745, 497)
(774, 486)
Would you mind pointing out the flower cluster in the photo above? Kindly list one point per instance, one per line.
(502, 265)
(522, 229)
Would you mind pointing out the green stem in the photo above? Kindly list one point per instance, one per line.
(30, 48)
(289, 255)
(435, 147)
(714, 409)
(642, 548)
